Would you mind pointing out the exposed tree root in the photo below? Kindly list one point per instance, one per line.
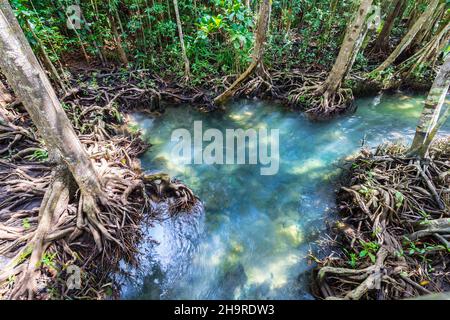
(15, 140)
(53, 205)
(393, 241)
(369, 277)
(180, 197)
(332, 104)
(297, 88)
(130, 91)
(321, 105)
(48, 224)
(438, 228)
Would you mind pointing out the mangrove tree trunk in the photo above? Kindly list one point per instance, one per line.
(258, 52)
(187, 68)
(32, 86)
(119, 47)
(382, 42)
(429, 119)
(353, 41)
(409, 37)
(427, 28)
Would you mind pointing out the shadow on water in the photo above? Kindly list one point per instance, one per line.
(251, 237)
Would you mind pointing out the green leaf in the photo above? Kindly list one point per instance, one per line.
(26, 223)
(399, 198)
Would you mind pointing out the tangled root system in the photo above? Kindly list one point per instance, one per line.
(393, 239)
(47, 224)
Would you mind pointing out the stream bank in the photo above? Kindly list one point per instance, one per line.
(105, 95)
(258, 231)
(79, 258)
(145, 90)
(392, 238)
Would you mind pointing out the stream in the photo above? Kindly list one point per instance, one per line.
(251, 236)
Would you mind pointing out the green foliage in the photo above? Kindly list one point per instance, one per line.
(224, 34)
(133, 128)
(352, 258)
(39, 155)
(361, 62)
(116, 114)
(48, 260)
(24, 254)
(42, 21)
(26, 223)
(366, 191)
(399, 198)
(218, 34)
(422, 249)
(369, 249)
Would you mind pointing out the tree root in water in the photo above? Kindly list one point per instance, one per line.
(299, 89)
(317, 104)
(393, 242)
(180, 197)
(48, 224)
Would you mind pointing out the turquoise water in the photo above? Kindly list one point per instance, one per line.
(251, 238)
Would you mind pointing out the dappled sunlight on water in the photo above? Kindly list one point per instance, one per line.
(257, 230)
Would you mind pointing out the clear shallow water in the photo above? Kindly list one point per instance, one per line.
(252, 236)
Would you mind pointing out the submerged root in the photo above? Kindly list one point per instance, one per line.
(321, 104)
(331, 104)
(395, 239)
(48, 224)
(179, 197)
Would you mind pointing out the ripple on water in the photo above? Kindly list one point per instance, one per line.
(253, 237)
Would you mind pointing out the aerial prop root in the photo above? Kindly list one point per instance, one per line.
(322, 105)
(390, 202)
(368, 278)
(111, 220)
